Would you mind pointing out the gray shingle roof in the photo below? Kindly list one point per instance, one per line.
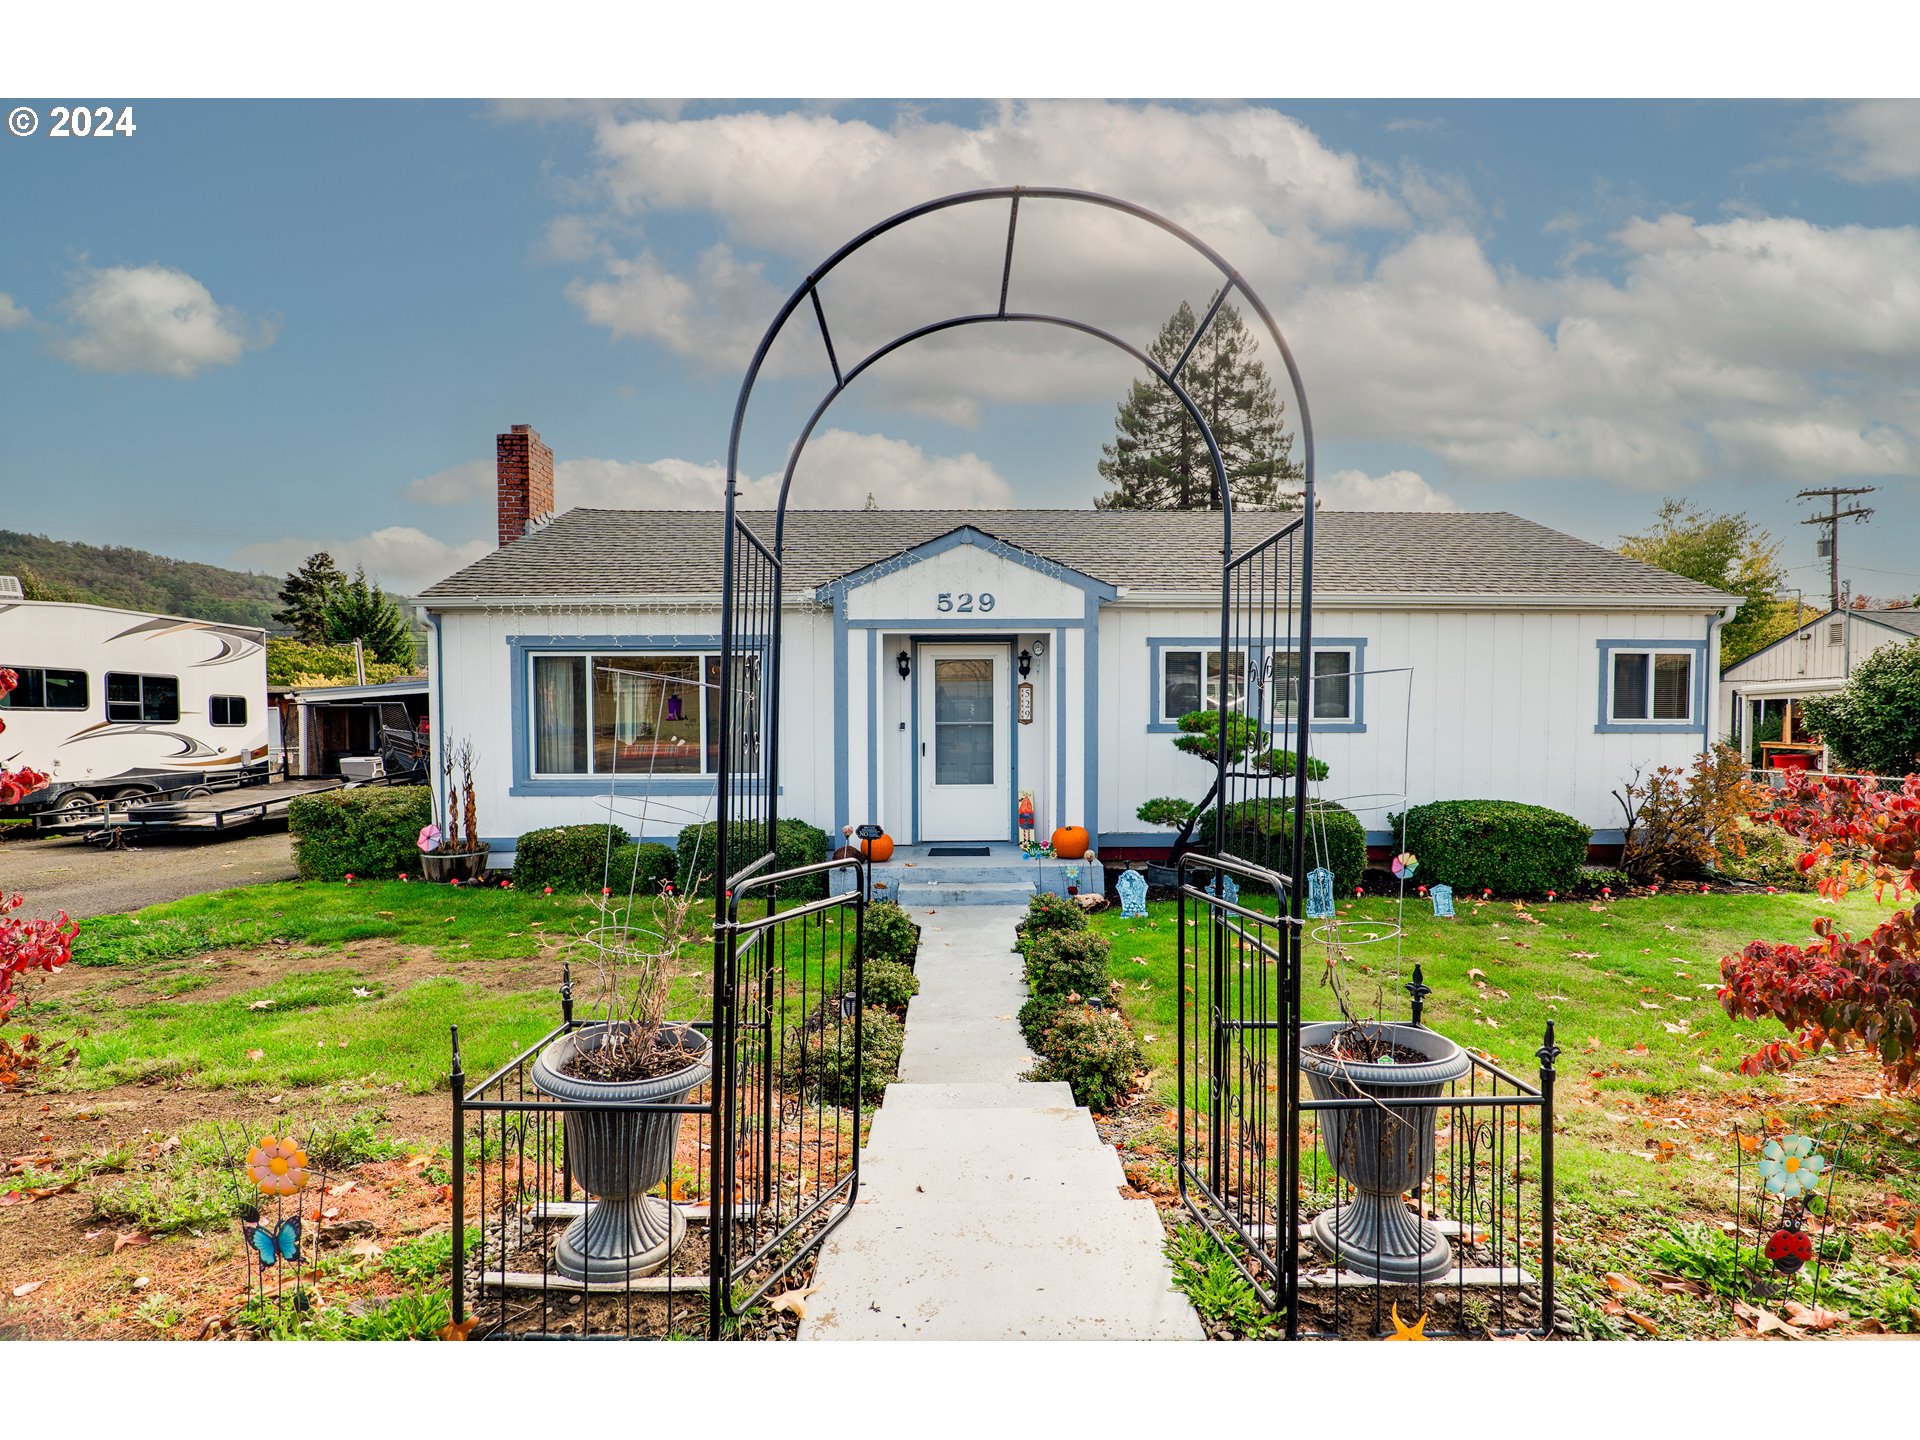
(677, 552)
(1906, 620)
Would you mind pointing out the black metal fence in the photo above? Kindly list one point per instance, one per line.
(1266, 1171)
(765, 1153)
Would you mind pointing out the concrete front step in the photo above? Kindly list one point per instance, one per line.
(1006, 1271)
(979, 1095)
(940, 897)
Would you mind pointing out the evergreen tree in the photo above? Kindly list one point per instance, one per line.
(1157, 460)
(304, 597)
(360, 610)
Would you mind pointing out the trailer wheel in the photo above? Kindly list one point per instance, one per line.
(196, 792)
(75, 801)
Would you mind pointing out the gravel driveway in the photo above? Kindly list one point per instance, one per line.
(82, 879)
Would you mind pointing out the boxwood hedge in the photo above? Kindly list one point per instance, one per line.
(372, 833)
(1261, 831)
(576, 859)
(1498, 845)
(795, 843)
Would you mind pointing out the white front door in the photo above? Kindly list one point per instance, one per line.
(965, 757)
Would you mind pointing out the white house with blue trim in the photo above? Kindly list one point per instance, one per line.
(939, 663)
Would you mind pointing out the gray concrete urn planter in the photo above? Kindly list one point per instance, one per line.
(1383, 1151)
(439, 866)
(618, 1154)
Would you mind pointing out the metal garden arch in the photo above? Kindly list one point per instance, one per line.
(1256, 587)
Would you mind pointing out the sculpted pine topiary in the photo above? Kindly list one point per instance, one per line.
(1839, 990)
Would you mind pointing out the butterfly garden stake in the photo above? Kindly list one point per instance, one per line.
(274, 1177)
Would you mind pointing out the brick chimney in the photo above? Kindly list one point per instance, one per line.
(525, 470)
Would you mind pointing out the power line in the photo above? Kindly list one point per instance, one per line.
(1832, 494)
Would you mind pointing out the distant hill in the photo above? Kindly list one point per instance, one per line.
(136, 580)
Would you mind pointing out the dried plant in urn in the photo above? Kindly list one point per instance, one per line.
(451, 847)
(626, 1062)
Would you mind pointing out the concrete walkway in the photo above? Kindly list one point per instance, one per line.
(989, 1209)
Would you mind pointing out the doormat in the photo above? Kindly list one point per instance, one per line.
(954, 852)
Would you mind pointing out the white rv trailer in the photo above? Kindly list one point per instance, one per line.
(118, 703)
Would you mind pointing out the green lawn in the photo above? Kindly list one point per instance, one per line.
(1649, 1090)
(303, 984)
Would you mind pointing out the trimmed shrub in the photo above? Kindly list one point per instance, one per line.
(820, 1059)
(1036, 1014)
(887, 983)
(575, 859)
(1261, 832)
(1094, 1051)
(1498, 845)
(795, 843)
(1068, 962)
(1052, 912)
(372, 833)
(888, 933)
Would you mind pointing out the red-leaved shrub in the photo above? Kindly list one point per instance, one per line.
(1840, 989)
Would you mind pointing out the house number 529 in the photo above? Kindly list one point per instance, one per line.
(964, 602)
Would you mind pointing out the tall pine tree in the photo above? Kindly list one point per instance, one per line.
(1157, 460)
(304, 597)
(360, 610)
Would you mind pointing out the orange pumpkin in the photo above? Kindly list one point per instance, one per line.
(880, 850)
(1070, 842)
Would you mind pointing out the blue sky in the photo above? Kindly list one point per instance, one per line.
(255, 328)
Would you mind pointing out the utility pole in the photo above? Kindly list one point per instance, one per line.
(1832, 494)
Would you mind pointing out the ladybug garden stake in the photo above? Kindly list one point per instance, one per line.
(1788, 1248)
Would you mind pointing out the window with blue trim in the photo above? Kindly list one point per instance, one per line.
(625, 714)
(1650, 687)
(1333, 672)
(1183, 689)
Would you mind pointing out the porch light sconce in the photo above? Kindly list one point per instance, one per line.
(1026, 663)
(904, 662)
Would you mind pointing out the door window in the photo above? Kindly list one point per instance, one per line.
(963, 722)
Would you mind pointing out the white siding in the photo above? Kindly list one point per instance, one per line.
(1486, 703)
(1499, 704)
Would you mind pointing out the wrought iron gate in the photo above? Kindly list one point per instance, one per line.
(1251, 979)
(1240, 912)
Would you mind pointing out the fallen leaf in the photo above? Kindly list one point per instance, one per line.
(141, 1282)
(794, 1302)
(1643, 1322)
(460, 1329)
(1476, 974)
(256, 1054)
(20, 1291)
(1811, 1317)
(261, 1005)
(1593, 1042)
(1621, 1284)
(361, 993)
(342, 1188)
(366, 1250)
(127, 1239)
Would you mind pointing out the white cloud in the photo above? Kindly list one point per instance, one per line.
(154, 319)
(1395, 490)
(12, 314)
(1766, 346)
(455, 485)
(839, 470)
(1256, 183)
(1763, 346)
(401, 558)
(1876, 140)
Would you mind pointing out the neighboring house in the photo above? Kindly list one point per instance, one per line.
(117, 703)
(1759, 697)
(581, 659)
